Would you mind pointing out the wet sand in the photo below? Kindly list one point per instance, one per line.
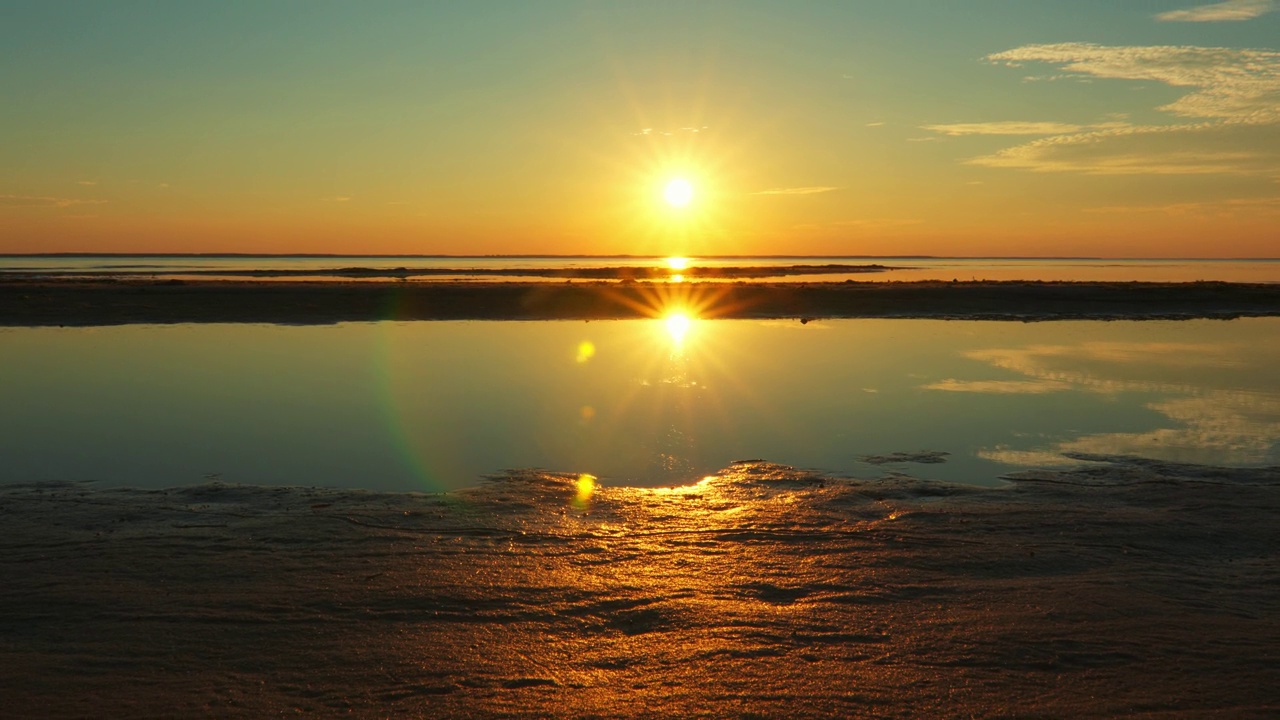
(1128, 588)
(112, 301)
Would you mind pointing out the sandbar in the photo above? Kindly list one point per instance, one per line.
(113, 301)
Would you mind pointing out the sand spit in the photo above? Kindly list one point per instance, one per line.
(1127, 587)
(636, 273)
(117, 301)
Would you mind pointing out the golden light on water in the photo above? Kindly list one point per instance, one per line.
(678, 263)
(586, 487)
(678, 324)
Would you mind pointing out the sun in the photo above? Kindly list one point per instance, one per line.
(678, 192)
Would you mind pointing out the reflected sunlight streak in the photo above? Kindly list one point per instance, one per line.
(678, 324)
(586, 486)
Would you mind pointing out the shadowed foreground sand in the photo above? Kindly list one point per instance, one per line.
(1132, 588)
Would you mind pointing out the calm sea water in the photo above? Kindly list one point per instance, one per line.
(437, 405)
(1263, 270)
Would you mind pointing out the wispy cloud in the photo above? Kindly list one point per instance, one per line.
(1229, 11)
(876, 224)
(1007, 127)
(1232, 94)
(1000, 387)
(658, 132)
(813, 190)
(1219, 208)
(87, 182)
(338, 199)
(1230, 84)
(1198, 149)
(44, 201)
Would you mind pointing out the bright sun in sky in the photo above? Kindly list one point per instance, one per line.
(678, 192)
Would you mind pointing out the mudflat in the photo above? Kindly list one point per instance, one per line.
(111, 301)
(1124, 588)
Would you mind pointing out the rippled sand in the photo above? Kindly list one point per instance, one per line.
(1125, 588)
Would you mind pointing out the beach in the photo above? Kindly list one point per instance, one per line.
(1115, 586)
(1127, 588)
(112, 301)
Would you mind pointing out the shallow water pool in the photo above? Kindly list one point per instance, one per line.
(437, 405)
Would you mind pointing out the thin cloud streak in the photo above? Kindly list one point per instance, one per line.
(796, 190)
(1229, 11)
(1005, 127)
(44, 201)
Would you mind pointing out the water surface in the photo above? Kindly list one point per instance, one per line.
(437, 405)
(902, 269)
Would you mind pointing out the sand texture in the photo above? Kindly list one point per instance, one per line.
(1127, 587)
(114, 301)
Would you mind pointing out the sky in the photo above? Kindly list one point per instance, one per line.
(1114, 128)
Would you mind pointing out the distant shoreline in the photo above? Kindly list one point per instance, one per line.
(35, 302)
(628, 256)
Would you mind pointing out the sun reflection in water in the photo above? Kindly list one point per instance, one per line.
(586, 486)
(678, 263)
(678, 325)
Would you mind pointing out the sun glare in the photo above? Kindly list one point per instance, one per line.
(678, 192)
(678, 263)
(678, 326)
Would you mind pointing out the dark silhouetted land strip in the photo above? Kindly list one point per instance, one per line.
(656, 273)
(117, 301)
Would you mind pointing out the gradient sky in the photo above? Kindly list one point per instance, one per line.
(984, 127)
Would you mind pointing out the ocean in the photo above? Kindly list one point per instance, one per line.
(769, 268)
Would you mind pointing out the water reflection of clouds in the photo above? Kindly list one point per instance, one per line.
(1214, 421)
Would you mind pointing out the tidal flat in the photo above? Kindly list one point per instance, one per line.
(116, 300)
(1124, 588)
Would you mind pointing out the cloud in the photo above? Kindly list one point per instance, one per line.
(1007, 127)
(1217, 208)
(1229, 11)
(1240, 85)
(796, 190)
(1000, 387)
(656, 132)
(1230, 103)
(338, 198)
(876, 124)
(86, 182)
(1205, 148)
(44, 201)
